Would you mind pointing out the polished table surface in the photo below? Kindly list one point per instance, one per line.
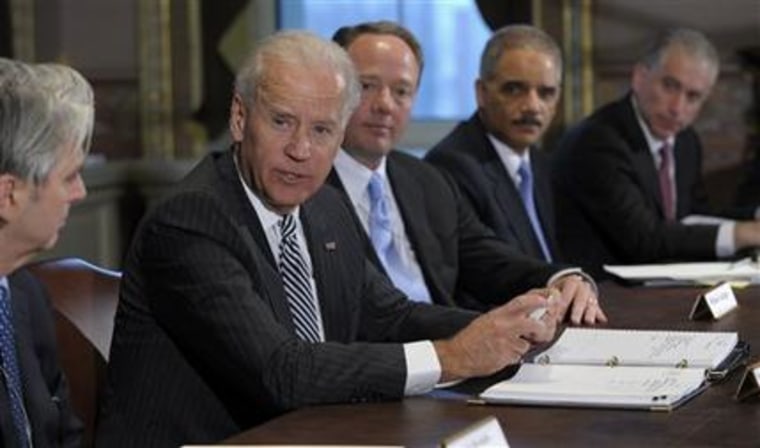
(713, 418)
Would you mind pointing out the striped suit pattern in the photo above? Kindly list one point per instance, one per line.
(204, 345)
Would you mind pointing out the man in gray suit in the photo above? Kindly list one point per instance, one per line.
(247, 291)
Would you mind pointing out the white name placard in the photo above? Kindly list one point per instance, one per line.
(749, 386)
(485, 433)
(715, 303)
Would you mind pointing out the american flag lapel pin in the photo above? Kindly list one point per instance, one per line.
(330, 246)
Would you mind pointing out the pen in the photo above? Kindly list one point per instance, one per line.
(538, 313)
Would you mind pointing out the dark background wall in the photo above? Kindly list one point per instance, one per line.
(162, 73)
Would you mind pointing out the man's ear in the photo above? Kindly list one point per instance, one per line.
(638, 76)
(238, 116)
(11, 189)
(480, 92)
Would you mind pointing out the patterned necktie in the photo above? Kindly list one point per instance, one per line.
(296, 280)
(10, 369)
(381, 234)
(526, 193)
(667, 193)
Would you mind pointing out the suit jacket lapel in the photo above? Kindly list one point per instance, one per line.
(324, 245)
(22, 326)
(544, 199)
(505, 192)
(641, 156)
(334, 180)
(412, 206)
(682, 165)
(267, 273)
(508, 198)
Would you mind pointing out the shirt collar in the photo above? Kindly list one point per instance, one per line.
(355, 176)
(267, 217)
(509, 157)
(653, 142)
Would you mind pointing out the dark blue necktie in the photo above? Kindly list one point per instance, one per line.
(526, 192)
(11, 372)
(296, 280)
(381, 234)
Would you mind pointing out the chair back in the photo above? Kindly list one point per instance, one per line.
(84, 298)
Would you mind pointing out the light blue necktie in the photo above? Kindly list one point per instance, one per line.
(296, 280)
(381, 234)
(526, 193)
(10, 369)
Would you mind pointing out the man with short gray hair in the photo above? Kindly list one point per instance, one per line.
(46, 121)
(629, 178)
(247, 292)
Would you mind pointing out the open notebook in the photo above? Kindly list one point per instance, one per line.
(638, 369)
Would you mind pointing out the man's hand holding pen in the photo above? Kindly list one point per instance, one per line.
(500, 337)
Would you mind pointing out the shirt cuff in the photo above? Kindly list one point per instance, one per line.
(724, 243)
(423, 370)
(574, 271)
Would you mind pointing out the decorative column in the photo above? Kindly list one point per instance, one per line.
(749, 190)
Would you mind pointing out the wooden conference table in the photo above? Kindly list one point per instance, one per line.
(713, 418)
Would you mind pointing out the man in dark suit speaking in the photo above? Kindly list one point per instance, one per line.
(247, 292)
(629, 176)
(46, 120)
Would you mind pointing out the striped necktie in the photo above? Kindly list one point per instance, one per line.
(296, 280)
(526, 193)
(11, 371)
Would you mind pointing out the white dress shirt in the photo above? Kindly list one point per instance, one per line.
(510, 158)
(423, 368)
(355, 178)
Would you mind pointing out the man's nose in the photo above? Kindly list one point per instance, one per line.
(383, 100)
(79, 190)
(299, 146)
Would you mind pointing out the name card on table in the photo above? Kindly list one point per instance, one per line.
(485, 433)
(749, 386)
(715, 303)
